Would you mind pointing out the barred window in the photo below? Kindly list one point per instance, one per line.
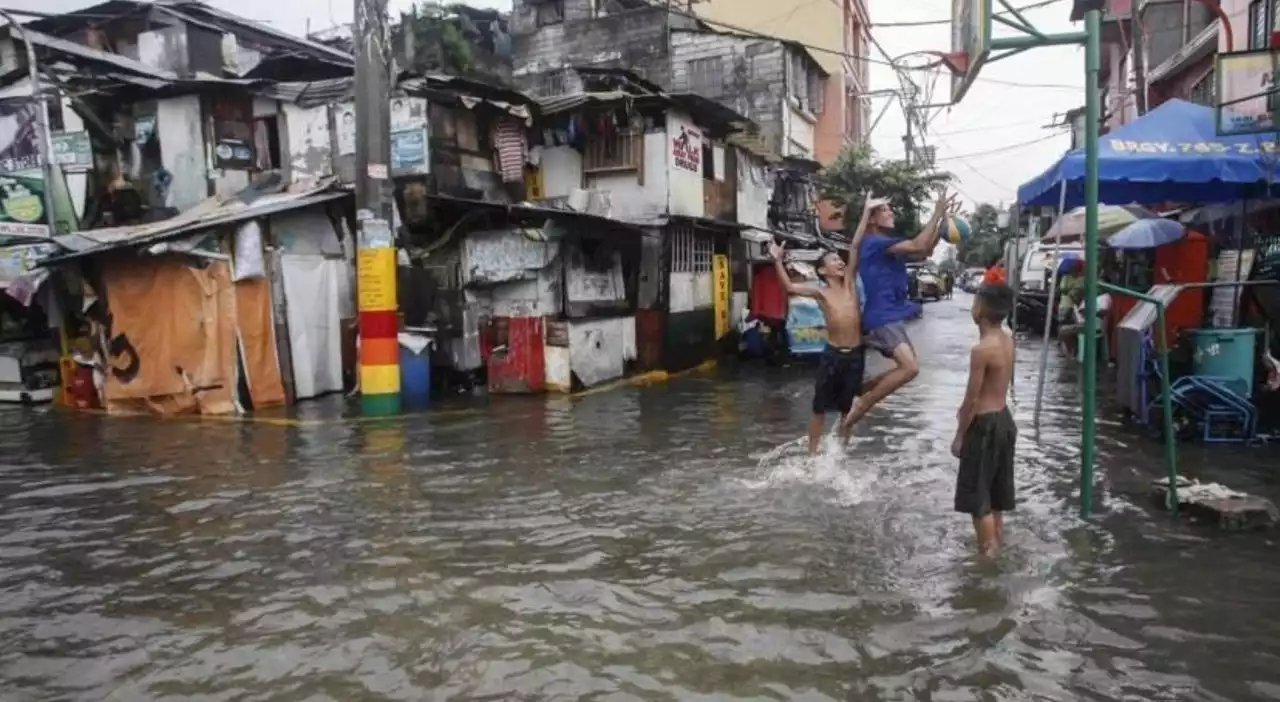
(706, 77)
(690, 253)
(623, 151)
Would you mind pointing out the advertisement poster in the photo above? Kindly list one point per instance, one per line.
(806, 326)
(22, 204)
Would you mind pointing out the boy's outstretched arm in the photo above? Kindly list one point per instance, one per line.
(922, 244)
(964, 416)
(855, 241)
(777, 251)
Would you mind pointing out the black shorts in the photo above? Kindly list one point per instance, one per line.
(985, 482)
(839, 379)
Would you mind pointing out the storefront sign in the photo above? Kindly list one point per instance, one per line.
(376, 279)
(686, 150)
(73, 151)
(720, 274)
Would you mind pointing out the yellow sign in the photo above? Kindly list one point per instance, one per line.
(1191, 147)
(376, 279)
(720, 274)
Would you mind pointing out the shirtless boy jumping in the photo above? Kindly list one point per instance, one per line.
(843, 360)
(986, 433)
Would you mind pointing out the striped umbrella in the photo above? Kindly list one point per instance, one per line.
(1111, 219)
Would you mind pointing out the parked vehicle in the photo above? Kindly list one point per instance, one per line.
(924, 283)
(1039, 260)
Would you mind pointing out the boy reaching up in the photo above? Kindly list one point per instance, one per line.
(986, 433)
(843, 361)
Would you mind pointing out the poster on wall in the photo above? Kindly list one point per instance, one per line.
(408, 114)
(19, 136)
(22, 204)
(409, 152)
(73, 151)
(686, 149)
(345, 120)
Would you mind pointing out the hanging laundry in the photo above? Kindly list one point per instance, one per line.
(509, 140)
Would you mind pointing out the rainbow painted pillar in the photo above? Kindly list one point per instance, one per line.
(379, 319)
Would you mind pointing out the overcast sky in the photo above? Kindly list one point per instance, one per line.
(977, 140)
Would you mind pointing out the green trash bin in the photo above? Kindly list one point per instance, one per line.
(1226, 353)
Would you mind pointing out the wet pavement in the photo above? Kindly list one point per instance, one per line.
(661, 543)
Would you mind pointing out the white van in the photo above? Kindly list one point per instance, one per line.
(1040, 257)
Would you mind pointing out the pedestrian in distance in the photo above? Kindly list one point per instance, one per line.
(985, 430)
(884, 257)
(843, 362)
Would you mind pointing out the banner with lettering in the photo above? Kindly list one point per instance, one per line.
(806, 326)
(1171, 154)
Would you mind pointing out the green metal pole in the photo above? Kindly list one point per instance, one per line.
(1092, 62)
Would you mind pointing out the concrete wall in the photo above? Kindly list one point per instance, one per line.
(799, 125)
(816, 23)
(600, 349)
(633, 200)
(753, 78)
(635, 40)
(179, 126)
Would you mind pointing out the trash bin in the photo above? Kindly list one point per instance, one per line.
(415, 368)
(1225, 353)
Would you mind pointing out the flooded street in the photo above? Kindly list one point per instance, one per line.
(661, 543)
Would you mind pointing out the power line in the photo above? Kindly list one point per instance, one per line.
(1002, 149)
(928, 23)
(989, 128)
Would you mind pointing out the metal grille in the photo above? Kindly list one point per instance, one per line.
(621, 152)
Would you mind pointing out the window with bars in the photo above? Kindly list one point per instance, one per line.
(1264, 18)
(690, 253)
(550, 84)
(706, 77)
(1204, 92)
(550, 12)
(623, 151)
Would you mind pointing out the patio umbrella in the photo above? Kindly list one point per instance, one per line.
(1070, 264)
(1111, 219)
(1147, 234)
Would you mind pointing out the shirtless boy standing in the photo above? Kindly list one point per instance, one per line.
(843, 360)
(986, 433)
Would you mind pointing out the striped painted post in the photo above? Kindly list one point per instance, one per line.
(379, 323)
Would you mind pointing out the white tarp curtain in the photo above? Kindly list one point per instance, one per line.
(312, 285)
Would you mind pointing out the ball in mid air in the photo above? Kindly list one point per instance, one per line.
(955, 229)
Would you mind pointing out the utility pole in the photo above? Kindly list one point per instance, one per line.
(376, 258)
(373, 112)
(1139, 56)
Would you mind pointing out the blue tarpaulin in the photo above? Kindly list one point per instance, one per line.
(1171, 154)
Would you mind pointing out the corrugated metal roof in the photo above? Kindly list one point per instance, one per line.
(209, 214)
(311, 93)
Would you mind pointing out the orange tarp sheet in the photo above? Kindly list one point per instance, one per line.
(171, 337)
(258, 342)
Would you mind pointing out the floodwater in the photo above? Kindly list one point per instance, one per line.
(665, 543)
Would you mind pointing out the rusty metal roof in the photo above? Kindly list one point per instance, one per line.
(214, 212)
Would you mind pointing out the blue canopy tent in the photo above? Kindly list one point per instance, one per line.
(1171, 154)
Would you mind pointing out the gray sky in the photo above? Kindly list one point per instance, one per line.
(977, 140)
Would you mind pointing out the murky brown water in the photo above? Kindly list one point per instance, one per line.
(635, 545)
